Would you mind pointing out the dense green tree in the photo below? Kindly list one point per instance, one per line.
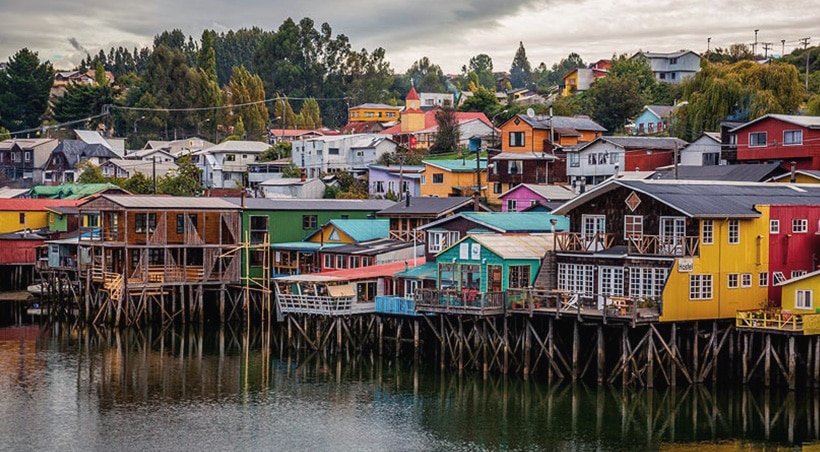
(427, 77)
(283, 111)
(139, 183)
(563, 67)
(280, 149)
(732, 54)
(291, 171)
(541, 78)
(24, 91)
(184, 182)
(89, 173)
(83, 101)
(447, 136)
(367, 77)
(482, 66)
(206, 60)
(247, 90)
(310, 116)
(482, 100)
(613, 100)
(169, 80)
(520, 71)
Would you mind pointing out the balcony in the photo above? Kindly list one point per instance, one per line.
(778, 321)
(577, 242)
(407, 236)
(469, 302)
(396, 305)
(658, 245)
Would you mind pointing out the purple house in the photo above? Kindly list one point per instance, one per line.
(523, 196)
(386, 179)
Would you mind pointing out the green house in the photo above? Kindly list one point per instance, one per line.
(291, 220)
(492, 262)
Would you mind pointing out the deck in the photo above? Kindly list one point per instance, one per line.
(466, 302)
(777, 321)
(559, 303)
(323, 305)
(393, 305)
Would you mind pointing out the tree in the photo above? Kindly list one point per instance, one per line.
(247, 90)
(613, 100)
(280, 149)
(206, 60)
(89, 173)
(482, 66)
(562, 68)
(520, 71)
(310, 116)
(24, 91)
(139, 183)
(447, 137)
(482, 100)
(169, 80)
(426, 76)
(283, 111)
(291, 171)
(185, 182)
(83, 101)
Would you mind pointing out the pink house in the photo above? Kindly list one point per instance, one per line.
(524, 196)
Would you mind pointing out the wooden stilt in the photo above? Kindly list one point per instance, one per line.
(601, 355)
(575, 344)
(416, 342)
(550, 350)
(792, 364)
(767, 364)
(527, 347)
(673, 355)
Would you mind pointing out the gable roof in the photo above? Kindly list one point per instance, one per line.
(529, 246)
(707, 199)
(748, 172)
(359, 230)
(457, 165)
(428, 206)
(666, 55)
(145, 167)
(508, 222)
(661, 111)
(809, 122)
(814, 174)
(77, 150)
(238, 146)
(561, 122)
(163, 202)
(548, 192)
(368, 205)
(637, 142)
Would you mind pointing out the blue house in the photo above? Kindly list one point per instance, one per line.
(653, 119)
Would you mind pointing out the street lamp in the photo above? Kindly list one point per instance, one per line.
(492, 121)
(199, 124)
(135, 123)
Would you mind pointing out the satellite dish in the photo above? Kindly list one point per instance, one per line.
(530, 113)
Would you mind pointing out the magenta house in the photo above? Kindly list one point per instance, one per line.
(524, 196)
(388, 179)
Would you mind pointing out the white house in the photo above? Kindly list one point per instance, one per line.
(149, 155)
(292, 188)
(607, 156)
(431, 100)
(330, 154)
(704, 151)
(225, 165)
(672, 67)
(124, 169)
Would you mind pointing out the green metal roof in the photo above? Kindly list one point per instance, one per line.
(69, 191)
(457, 165)
(426, 271)
(518, 221)
(362, 230)
(303, 246)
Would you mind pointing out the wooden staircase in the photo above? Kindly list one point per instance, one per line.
(113, 285)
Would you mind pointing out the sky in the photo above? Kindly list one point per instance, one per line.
(448, 32)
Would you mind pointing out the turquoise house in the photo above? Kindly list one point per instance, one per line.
(653, 119)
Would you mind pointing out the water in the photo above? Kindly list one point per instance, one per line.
(174, 389)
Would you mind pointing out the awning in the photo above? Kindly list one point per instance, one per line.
(345, 290)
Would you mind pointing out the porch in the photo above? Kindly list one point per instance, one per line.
(467, 301)
(558, 303)
(778, 321)
(643, 245)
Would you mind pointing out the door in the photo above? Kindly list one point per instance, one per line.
(494, 278)
(673, 229)
(593, 232)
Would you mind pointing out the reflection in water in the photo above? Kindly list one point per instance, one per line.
(180, 389)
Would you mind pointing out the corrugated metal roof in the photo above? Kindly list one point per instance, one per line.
(518, 221)
(457, 165)
(374, 271)
(428, 270)
(312, 204)
(643, 142)
(550, 192)
(364, 230)
(426, 206)
(238, 146)
(563, 122)
(811, 122)
(522, 156)
(171, 202)
(748, 172)
(530, 246)
(26, 204)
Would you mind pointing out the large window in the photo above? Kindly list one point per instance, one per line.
(309, 222)
(378, 186)
(611, 281)
(516, 139)
(633, 226)
(802, 299)
(757, 139)
(259, 227)
(519, 276)
(574, 159)
(440, 240)
(328, 261)
(646, 282)
(515, 166)
(792, 137)
(576, 278)
(707, 232)
(700, 287)
(145, 222)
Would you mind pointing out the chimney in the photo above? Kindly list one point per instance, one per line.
(793, 177)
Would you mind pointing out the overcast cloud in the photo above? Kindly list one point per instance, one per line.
(449, 32)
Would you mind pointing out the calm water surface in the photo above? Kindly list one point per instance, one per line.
(68, 389)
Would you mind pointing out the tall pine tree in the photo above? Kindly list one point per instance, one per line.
(521, 71)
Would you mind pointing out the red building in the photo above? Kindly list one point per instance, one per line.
(794, 243)
(787, 138)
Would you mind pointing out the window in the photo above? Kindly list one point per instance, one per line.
(757, 139)
(28, 156)
(145, 220)
(333, 151)
(367, 261)
(519, 276)
(734, 231)
(22, 218)
(700, 287)
(574, 159)
(798, 273)
(778, 277)
(792, 137)
(611, 281)
(774, 226)
(497, 187)
(646, 281)
(746, 280)
(575, 278)
(512, 205)
(763, 279)
(802, 299)
(328, 261)
(633, 226)
(673, 227)
(515, 166)
(663, 75)
(707, 232)
(341, 261)
(733, 280)
(378, 186)
(440, 240)
(438, 178)
(672, 75)
(516, 139)
(355, 262)
(309, 222)
(800, 225)
(423, 179)
(230, 157)
(673, 61)
(259, 228)
(256, 258)
(181, 222)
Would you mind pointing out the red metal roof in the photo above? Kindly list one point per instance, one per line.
(412, 95)
(430, 120)
(19, 205)
(375, 271)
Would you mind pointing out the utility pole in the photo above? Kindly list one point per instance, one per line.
(805, 42)
(708, 44)
(754, 46)
(782, 48)
(766, 47)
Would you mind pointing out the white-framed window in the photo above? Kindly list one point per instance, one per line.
(441, 240)
(496, 187)
(792, 137)
(733, 280)
(707, 232)
(515, 166)
(763, 279)
(734, 231)
(803, 299)
(633, 226)
(593, 224)
(778, 277)
(798, 273)
(774, 226)
(673, 227)
(745, 280)
(341, 261)
(328, 258)
(516, 139)
(438, 178)
(378, 186)
(512, 205)
(757, 139)
(700, 287)
(646, 281)
(576, 278)
(800, 225)
(423, 179)
(611, 281)
(28, 156)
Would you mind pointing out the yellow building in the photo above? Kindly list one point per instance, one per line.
(19, 214)
(373, 113)
(442, 178)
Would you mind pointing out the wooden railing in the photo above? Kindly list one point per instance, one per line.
(396, 305)
(583, 243)
(460, 302)
(563, 302)
(778, 320)
(407, 236)
(658, 245)
(313, 304)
